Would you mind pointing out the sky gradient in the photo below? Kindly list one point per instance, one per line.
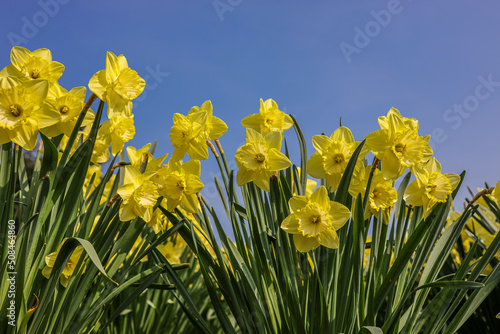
(439, 63)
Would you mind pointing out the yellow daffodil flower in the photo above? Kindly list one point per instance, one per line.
(139, 195)
(332, 155)
(117, 85)
(382, 194)
(260, 158)
(315, 220)
(50, 260)
(23, 112)
(269, 118)
(27, 65)
(139, 156)
(186, 136)
(213, 127)
(69, 105)
(398, 145)
(172, 250)
(120, 130)
(431, 186)
(179, 183)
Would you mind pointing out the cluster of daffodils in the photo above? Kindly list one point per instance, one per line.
(32, 101)
(117, 85)
(260, 157)
(177, 182)
(397, 146)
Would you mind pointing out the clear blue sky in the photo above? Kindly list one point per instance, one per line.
(318, 60)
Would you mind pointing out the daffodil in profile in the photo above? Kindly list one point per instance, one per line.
(140, 156)
(117, 85)
(68, 104)
(178, 183)
(332, 156)
(28, 65)
(212, 127)
(139, 195)
(23, 112)
(431, 186)
(69, 268)
(260, 158)
(269, 118)
(120, 130)
(314, 220)
(381, 195)
(187, 136)
(398, 145)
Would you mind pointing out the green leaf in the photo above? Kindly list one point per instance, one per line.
(50, 156)
(452, 285)
(93, 256)
(343, 189)
(303, 152)
(374, 330)
(158, 241)
(474, 301)
(27, 316)
(135, 294)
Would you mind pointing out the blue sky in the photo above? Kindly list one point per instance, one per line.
(319, 60)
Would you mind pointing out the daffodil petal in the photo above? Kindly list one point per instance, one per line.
(414, 194)
(315, 166)
(25, 136)
(263, 183)
(243, 176)
(321, 143)
(305, 244)
(19, 56)
(277, 161)
(291, 224)
(297, 203)
(252, 122)
(378, 143)
(192, 167)
(343, 134)
(320, 197)
(273, 140)
(340, 214)
(391, 166)
(329, 238)
(454, 180)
